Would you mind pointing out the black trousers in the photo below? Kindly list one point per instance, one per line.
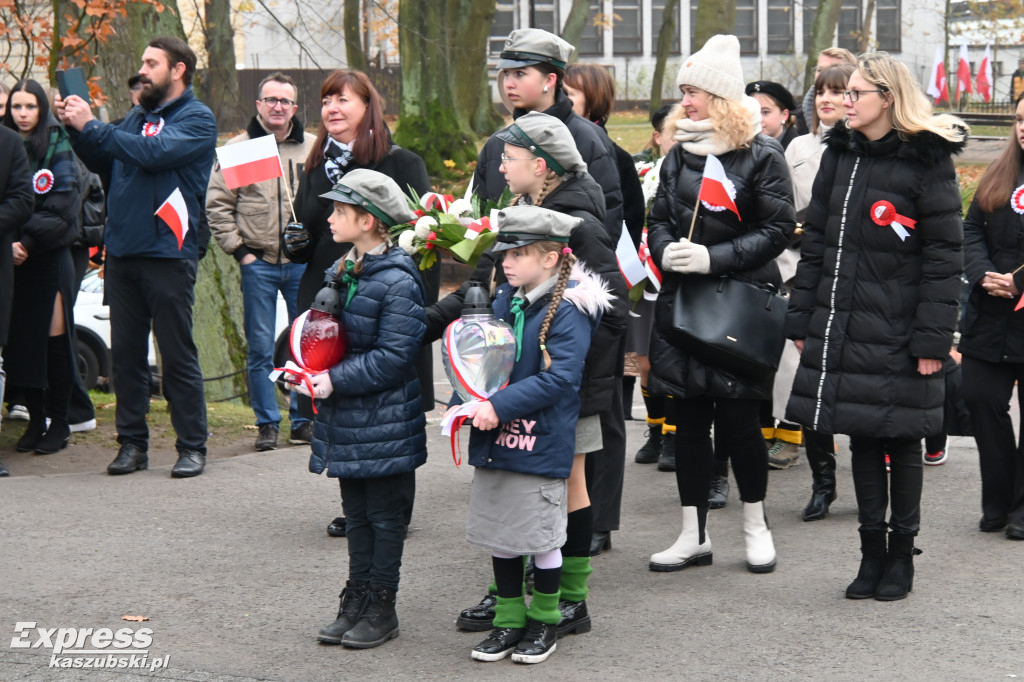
(987, 388)
(737, 435)
(375, 511)
(155, 293)
(606, 468)
(80, 408)
(875, 488)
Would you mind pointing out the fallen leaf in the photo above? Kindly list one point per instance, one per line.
(250, 426)
(137, 619)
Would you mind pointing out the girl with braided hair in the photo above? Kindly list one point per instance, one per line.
(523, 439)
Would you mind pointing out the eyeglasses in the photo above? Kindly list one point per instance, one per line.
(506, 159)
(138, 87)
(274, 101)
(854, 95)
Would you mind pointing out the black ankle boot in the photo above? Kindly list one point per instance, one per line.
(377, 624)
(823, 472)
(36, 421)
(55, 439)
(898, 578)
(353, 601)
(872, 564)
(667, 460)
(651, 450)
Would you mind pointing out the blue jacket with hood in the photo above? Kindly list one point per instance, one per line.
(146, 168)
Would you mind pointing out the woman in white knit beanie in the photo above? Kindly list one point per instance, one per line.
(719, 119)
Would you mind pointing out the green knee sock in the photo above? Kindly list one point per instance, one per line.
(510, 612)
(575, 571)
(543, 608)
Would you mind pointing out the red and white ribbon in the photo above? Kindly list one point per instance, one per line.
(477, 227)
(884, 214)
(42, 181)
(295, 375)
(150, 129)
(1017, 200)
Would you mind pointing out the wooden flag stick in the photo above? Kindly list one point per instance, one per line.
(694, 221)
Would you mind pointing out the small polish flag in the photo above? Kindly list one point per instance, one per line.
(963, 71)
(477, 227)
(937, 86)
(1020, 303)
(985, 75)
(630, 265)
(174, 212)
(653, 273)
(716, 190)
(249, 162)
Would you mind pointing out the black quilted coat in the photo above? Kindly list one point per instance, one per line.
(744, 247)
(867, 303)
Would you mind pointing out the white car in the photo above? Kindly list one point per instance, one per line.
(92, 326)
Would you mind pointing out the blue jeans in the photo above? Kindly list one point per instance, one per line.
(260, 283)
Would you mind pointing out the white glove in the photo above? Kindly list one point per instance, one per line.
(684, 256)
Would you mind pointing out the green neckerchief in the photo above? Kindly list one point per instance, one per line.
(351, 279)
(518, 319)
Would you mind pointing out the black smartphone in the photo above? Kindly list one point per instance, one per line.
(72, 82)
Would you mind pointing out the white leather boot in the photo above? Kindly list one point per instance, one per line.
(689, 548)
(760, 547)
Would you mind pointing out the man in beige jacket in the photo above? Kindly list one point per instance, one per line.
(248, 222)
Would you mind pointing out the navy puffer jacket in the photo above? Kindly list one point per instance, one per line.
(373, 423)
(867, 303)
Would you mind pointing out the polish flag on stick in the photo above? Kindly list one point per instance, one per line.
(249, 162)
(963, 71)
(630, 265)
(937, 86)
(653, 273)
(985, 75)
(174, 212)
(715, 189)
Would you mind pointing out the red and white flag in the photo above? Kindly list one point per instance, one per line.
(630, 266)
(985, 75)
(174, 212)
(717, 191)
(963, 71)
(937, 86)
(249, 162)
(653, 273)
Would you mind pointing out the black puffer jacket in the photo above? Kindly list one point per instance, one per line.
(993, 242)
(867, 303)
(743, 248)
(594, 146)
(578, 196)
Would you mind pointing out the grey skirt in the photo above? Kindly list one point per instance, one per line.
(516, 513)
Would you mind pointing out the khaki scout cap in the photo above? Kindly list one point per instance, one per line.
(519, 226)
(529, 46)
(547, 137)
(375, 192)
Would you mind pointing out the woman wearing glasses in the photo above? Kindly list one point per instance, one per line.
(874, 304)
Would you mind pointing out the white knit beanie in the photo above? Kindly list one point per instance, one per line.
(715, 68)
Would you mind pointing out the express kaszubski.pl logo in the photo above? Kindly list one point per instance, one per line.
(90, 647)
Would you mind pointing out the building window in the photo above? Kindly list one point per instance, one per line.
(627, 37)
(810, 11)
(504, 23)
(591, 42)
(744, 28)
(780, 26)
(850, 26)
(888, 22)
(544, 15)
(657, 19)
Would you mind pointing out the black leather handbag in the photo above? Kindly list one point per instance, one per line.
(730, 324)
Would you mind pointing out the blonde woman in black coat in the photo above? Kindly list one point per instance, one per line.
(874, 303)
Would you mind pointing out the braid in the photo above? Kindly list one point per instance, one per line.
(550, 178)
(568, 261)
(385, 234)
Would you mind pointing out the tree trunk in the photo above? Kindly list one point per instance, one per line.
(574, 24)
(430, 124)
(353, 20)
(665, 36)
(219, 85)
(217, 315)
(823, 30)
(864, 40)
(469, 23)
(713, 18)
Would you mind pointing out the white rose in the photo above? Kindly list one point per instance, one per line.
(405, 240)
(424, 226)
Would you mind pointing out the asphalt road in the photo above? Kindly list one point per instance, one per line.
(235, 573)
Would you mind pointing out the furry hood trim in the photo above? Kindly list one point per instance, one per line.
(589, 292)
